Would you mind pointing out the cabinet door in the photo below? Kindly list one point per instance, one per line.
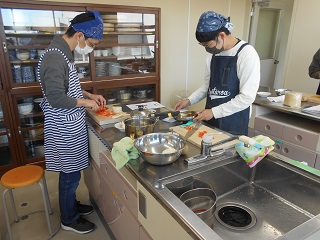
(268, 126)
(125, 219)
(144, 234)
(26, 33)
(30, 127)
(130, 43)
(111, 210)
(8, 149)
(151, 212)
(299, 154)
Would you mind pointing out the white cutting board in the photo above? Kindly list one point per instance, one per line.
(196, 140)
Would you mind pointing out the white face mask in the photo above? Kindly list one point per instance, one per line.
(84, 50)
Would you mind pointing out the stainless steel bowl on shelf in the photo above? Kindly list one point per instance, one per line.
(160, 148)
(122, 94)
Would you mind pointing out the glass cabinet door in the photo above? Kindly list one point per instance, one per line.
(8, 148)
(128, 46)
(27, 35)
(30, 127)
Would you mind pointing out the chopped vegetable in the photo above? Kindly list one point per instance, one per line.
(104, 112)
(202, 133)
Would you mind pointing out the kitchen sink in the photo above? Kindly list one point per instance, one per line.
(264, 202)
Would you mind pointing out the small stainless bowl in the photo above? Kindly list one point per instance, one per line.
(153, 147)
(281, 91)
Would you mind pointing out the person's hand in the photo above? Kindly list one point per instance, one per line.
(182, 104)
(205, 114)
(99, 99)
(92, 104)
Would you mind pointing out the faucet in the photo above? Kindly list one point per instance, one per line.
(206, 146)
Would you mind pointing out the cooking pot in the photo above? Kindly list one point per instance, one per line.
(140, 93)
(122, 94)
(139, 125)
(202, 201)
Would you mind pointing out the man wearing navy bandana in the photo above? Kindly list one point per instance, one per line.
(232, 76)
(63, 104)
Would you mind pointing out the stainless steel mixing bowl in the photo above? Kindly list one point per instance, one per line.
(154, 147)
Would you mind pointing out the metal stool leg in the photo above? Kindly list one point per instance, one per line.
(6, 212)
(46, 207)
(16, 218)
(47, 194)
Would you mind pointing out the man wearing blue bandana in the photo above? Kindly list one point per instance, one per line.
(63, 104)
(232, 76)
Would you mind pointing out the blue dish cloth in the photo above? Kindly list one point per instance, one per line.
(123, 151)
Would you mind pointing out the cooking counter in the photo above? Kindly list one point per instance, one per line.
(278, 106)
(154, 178)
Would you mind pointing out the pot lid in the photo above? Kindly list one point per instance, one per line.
(142, 111)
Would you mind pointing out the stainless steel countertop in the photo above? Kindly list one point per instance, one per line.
(149, 175)
(264, 102)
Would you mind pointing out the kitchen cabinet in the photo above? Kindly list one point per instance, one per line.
(295, 138)
(127, 59)
(151, 213)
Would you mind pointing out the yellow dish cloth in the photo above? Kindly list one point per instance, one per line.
(123, 151)
(252, 155)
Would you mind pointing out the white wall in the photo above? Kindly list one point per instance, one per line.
(304, 41)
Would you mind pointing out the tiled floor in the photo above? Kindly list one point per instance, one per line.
(35, 227)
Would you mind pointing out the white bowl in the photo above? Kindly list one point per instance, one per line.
(23, 56)
(120, 126)
(263, 94)
(25, 108)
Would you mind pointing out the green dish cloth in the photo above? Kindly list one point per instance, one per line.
(123, 151)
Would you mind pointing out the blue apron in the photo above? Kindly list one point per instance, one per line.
(65, 131)
(224, 85)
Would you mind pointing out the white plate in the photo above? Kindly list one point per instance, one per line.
(263, 94)
(118, 126)
(37, 100)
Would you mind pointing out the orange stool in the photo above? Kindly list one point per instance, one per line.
(22, 177)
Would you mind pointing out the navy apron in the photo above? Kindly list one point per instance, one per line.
(65, 130)
(224, 85)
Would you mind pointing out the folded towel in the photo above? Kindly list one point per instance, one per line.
(123, 151)
(251, 154)
(276, 99)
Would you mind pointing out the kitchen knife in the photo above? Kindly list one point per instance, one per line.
(191, 132)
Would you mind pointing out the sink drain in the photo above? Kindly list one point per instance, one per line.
(235, 216)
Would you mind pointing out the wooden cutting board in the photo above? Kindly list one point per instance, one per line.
(196, 140)
(308, 97)
(101, 120)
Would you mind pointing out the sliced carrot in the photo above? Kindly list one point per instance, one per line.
(202, 133)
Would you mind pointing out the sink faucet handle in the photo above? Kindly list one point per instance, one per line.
(250, 142)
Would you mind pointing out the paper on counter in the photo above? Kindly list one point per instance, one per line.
(312, 110)
(146, 105)
(276, 99)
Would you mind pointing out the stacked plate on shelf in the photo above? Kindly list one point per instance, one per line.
(127, 27)
(102, 69)
(110, 18)
(108, 27)
(120, 51)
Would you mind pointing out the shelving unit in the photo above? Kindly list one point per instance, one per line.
(136, 68)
